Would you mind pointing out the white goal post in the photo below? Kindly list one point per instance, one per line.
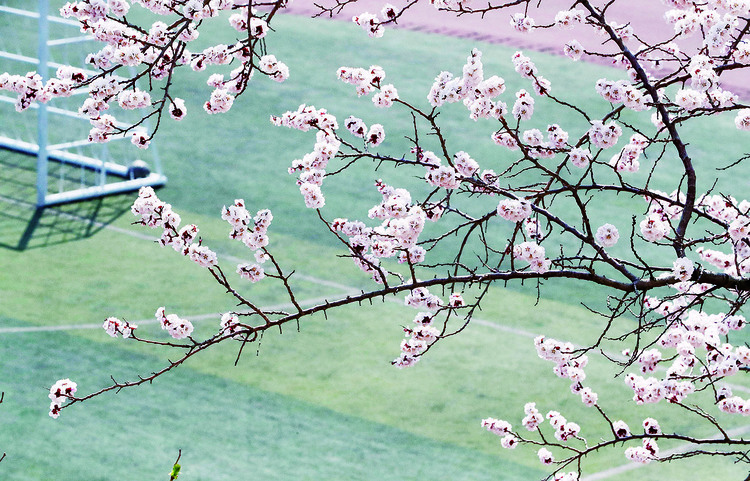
(104, 175)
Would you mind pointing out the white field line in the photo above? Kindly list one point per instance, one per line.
(500, 327)
(198, 317)
(680, 449)
(346, 289)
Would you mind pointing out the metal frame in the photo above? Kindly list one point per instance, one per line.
(59, 152)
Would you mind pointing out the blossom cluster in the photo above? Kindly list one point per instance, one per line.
(503, 429)
(736, 215)
(31, 88)
(536, 146)
(437, 174)
(155, 213)
(157, 49)
(644, 454)
(683, 269)
(623, 92)
(533, 229)
(471, 88)
(373, 24)
(312, 166)
(367, 81)
(60, 392)
(534, 254)
(526, 68)
(621, 429)
(627, 159)
(690, 331)
(271, 66)
(397, 235)
(514, 210)
(727, 210)
(114, 326)
(533, 418)
(230, 325)
(579, 157)
(373, 136)
(522, 23)
(687, 19)
(176, 327)
(568, 19)
(656, 226)
(417, 340)
(573, 50)
(258, 28)
(734, 263)
(564, 430)
(497, 426)
(604, 135)
(523, 107)
(567, 365)
(464, 164)
(254, 237)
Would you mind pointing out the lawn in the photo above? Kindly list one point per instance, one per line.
(322, 403)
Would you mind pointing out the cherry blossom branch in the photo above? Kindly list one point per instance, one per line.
(545, 201)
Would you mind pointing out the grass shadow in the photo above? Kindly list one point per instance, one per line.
(24, 226)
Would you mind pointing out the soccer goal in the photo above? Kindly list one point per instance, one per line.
(68, 167)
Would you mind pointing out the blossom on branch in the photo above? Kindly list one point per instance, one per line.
(60, 392)
(114, 326)
(176, 327)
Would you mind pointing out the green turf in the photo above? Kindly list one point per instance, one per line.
(324, 403)
(226, 430)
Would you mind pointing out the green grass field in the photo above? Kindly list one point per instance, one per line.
(322, 403)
